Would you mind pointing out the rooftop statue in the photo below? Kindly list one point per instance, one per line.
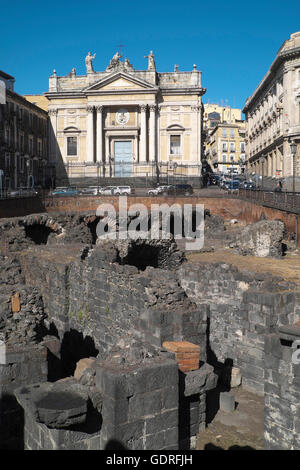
(114, 61)
(151, 61)
(116, 64)
(127, 65)
(89, 62)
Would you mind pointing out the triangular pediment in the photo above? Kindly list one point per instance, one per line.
(120, 82)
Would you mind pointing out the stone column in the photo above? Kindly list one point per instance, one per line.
(152, 133)
(99, 133)
(90, 134)
(143, 136)
(52, 134)
(195, 156)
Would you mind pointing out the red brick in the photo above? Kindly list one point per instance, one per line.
(181, 346)
(15, 303)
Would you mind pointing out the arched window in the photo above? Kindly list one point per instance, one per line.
(72, 145)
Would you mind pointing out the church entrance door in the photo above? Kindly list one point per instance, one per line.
(123, 158)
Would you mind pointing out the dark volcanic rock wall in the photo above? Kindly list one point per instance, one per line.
(90, 292)
(243, 307)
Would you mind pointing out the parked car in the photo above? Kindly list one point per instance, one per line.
(91, 191)
(124, 190)
(232, 184)
(65, 192)
(108, 190)
(158, 190)
(214, 179)
(23, 191)
(247, 185)
(179, 189)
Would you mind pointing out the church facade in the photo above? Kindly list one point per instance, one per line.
(125, 122)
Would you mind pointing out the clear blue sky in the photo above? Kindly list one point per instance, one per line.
(232, 42)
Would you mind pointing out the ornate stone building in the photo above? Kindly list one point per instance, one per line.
(224, 132)
(225, 147)
(125, 122)
(23, 139)
(273, 115)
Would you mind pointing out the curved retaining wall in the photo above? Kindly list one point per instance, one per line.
(228, 208)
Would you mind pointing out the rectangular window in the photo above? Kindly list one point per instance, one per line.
(224, 146)
(175, 145)
(232, 147)
(224, 158)
(242, 147)
(232, 133)
(224, 133)
(7, 135)
(22, 142)
(72, 145)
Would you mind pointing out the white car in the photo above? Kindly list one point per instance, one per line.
(108, 190)
(157, 191)
(123, 190)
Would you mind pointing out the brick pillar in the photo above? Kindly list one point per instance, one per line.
(187, 354)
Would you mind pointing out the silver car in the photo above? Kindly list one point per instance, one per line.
(158, 190)
(91, 191)
(23, 191)
(108, 190)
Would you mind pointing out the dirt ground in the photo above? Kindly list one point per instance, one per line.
(288, 267)
(243, 429)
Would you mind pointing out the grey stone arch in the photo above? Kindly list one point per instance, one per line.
(42, 229)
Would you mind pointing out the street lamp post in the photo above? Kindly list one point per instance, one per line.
(262, 161)
(293, 147)
(174, 172)
(28, 173)
(111, 159)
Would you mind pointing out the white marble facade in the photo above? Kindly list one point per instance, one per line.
(138, 119)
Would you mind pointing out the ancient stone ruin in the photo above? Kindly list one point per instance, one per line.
(123, 341)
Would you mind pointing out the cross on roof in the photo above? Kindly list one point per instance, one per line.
(120, 46)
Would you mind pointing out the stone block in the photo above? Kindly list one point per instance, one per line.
(115, 411)
(169, 398)
(227, 402)
(155, 441)
(199, 380)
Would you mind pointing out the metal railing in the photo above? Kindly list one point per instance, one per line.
(280, 200)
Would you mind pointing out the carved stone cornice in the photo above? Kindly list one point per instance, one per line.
(89, 109)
